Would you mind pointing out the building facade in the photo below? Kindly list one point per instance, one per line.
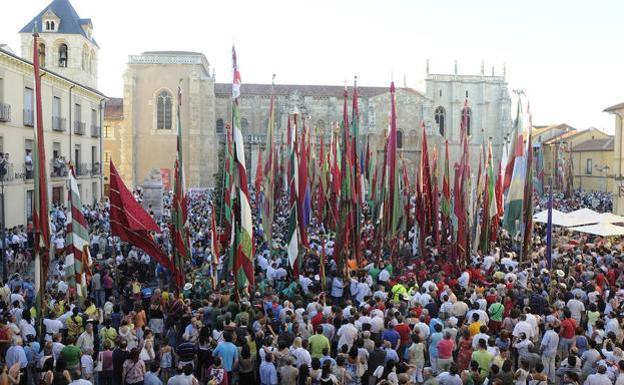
(618, 158)
(72, 116)
(592, 162)
(142, 123)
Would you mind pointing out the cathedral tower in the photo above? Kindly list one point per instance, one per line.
(66, 44)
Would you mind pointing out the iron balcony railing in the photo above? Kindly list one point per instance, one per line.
(95, 169)
(58, 168)
(81, 169)
(29, 118)
(79, 128)
(95, 131)
(7, 171)
(58, 123)
(5, 112)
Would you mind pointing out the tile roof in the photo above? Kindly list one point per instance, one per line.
(619, 106)
(113, 109)
(565, 135)
(71, 23)
(604, 144)
(537, 130)
(305, 89)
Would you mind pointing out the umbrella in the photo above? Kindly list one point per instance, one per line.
(611, 218)
(601, 229)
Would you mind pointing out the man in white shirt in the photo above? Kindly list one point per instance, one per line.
(576, 307)
(600, 378)
(347, 334)
(52, 326)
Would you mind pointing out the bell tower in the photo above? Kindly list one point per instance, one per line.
(67, 46)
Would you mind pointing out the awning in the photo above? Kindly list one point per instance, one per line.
(560, 219)
(601, 229)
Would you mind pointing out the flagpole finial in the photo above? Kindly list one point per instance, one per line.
(273, 79)
(427, 66)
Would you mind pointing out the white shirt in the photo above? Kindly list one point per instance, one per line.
(52, 327)
(597, 379)
(302, 356)
(576, 308)
(348, 334)
(523, 327)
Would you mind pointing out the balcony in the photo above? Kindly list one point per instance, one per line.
(81, 169)
(7, 171)
(58, 123)
(58, 168)
(5, 112)
(29, 118)
(95, 169)
(28, 171)
(95, 131)
(79, 128)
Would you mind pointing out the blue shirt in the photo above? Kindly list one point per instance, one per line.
(433, 346)
(268, 373)
(151, 379)
(392, 336)
(228, 353)
(16, 354)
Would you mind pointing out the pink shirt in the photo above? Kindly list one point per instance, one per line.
(445, 348)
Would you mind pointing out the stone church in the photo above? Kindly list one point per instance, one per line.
(140, 128)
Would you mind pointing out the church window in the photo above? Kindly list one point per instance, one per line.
(220, 126)
(47, 25)
(42, 54)
(440, 119)
(399, 138)
(466, 119)
(440, 93)
(51, 26)
(244, 124)
(466, 93)
(63, 55)
(163, 111)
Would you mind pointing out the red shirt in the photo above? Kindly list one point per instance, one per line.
(404, 331)
(445, 348)
(568, 328)
(317, 319)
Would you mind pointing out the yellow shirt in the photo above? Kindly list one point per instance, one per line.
(92, 312)
(474, 328)
(74, 326)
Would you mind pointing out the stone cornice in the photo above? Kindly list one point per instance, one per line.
(169, 59)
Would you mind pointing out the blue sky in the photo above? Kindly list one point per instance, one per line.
(567, 55)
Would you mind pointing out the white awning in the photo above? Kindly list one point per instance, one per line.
(559, 219)
(601, 229)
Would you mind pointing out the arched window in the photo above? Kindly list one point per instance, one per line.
(219, 127)
(51, 26)
(42, 54)
(320, 125)
(47, 25)
(92, 62)
(440, 119)
(399, 138)
(85, 57)
(63, 55)
(163, 111)
(244, 124)
(466, 119)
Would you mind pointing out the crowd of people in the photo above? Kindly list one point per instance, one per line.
(394, 319)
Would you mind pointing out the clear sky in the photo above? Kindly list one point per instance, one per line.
(567, 55)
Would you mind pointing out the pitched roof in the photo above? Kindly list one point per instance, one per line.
(71, 23)
(619, 106)
(222, 89)
(537, 130)
(604, 144)
(564, 136)
(113, 109)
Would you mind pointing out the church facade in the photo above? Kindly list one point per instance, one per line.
(140, 128)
